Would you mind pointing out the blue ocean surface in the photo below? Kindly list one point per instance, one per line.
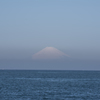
(49, 85)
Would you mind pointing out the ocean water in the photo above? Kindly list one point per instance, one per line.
(49, 85)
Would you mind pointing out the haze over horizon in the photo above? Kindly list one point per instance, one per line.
(73, 27)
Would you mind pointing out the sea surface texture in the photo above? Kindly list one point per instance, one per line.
(49, 85)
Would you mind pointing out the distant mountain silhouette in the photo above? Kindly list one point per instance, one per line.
(49, 53)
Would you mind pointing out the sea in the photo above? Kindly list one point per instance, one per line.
(49, 85)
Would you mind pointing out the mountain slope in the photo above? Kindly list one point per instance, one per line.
(49, 53)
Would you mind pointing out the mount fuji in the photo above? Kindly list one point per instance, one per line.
(49, 53)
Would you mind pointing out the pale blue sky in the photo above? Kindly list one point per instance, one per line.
(27, 26)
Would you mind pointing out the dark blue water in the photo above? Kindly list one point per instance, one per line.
(49, 85)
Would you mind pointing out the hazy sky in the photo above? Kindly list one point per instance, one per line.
(27, 26)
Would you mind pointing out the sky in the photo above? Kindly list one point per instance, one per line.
(72, 26)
